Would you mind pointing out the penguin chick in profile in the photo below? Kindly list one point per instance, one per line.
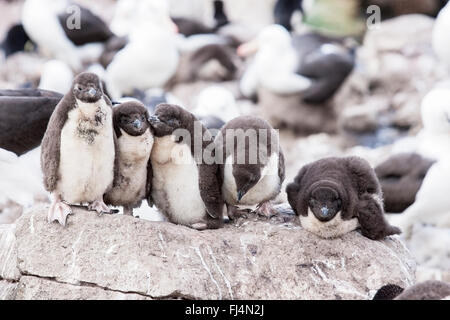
(133, 176)
(185, 184)
(252, 168)
(334, 196)
(78, 149)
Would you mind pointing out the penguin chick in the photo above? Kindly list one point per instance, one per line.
(252, 168)
(334, 196)
(401, 177)
(428, 290)
(133, 176)
(185, 186)
(78, 149)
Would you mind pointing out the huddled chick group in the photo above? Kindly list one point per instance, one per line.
(100, 155)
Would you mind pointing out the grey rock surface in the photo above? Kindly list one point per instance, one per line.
(31, 288)
(8, 290)
(120, 257)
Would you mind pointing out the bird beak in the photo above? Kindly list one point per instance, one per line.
(154, 120)
(92, 92)
(240, 195)
(173, 26)
(324, 211)
(137, 124)
(248, 48)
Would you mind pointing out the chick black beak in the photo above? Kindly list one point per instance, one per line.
(154, 119)
(240, 195)
(325, 213)
(137, 124)
(92, 92)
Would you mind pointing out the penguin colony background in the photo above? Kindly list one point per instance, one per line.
(133, 101)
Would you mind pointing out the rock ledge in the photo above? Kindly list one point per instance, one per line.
(119, 257)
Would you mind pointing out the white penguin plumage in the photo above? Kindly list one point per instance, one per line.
(275, 64)
(56, 76)
(432, 205)
(21, 181)
(435, 136)
(40, 20)
(433, 141)
(441, 31)
(216, 101)
(150, 58)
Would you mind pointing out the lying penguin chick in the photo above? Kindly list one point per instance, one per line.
(78, 149)
(333, 196)
(401, 177)
(428, 290)
(252, 173)
(184, 187)
(133, 175)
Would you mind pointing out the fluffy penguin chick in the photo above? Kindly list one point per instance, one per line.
(334, 196)
(78, 149)
(252, 167)
(133, 174)
(185, 186)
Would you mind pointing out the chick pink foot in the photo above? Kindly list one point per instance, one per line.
(99, 206)
(234, 212)
(58, 212)
(266, 209)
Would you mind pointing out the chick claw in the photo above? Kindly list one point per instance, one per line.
(59, 211)
(100, 207)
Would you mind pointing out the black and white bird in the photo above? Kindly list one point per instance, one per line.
(284, 11)
(334, 196)
(188, 26)
(59, 26)
(24, 115)
(310, 64)
(16, 40)
(401, 177)
(150, 58)
(133, 172)
(431, 205)
(326, 61)
(252, 165)
(185, 185)
(78, 152)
